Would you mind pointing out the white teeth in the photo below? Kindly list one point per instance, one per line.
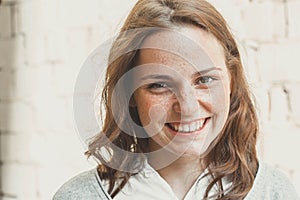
(180, 128)
(186, 128)
(176, 126)
(201, 122)
(191, 127)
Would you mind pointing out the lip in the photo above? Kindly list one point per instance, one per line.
(190, 121)
(177, 133)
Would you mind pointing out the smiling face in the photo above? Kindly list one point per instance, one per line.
(184, 90)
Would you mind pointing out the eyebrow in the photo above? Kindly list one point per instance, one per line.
(205, 71)
(166, 77)
(157, 76)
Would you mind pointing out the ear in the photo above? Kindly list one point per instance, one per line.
(132, 102)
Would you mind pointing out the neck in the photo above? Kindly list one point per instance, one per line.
(181, 174)
(182, 168)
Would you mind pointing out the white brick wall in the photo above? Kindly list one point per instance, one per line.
(12, 52)
(19, 180)
(293, 14)
(293, 92)
(43, 44)
(263, 21)
(5, 15)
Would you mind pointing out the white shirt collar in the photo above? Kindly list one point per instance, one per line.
(148, 183)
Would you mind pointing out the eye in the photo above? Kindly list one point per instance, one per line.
(157, 85)
(160, 88)
(205, 80)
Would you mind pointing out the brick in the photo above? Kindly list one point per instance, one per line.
(12, 52)
(293, 16)
(264, 21)
(248, 50)
(219, 4)
(68, 16)
(281, 145)
(48, 14)
(18, 83)
(6, 197)
(260, 1)
(16, 148)
(266, 63)
(9, 2)
(25, 186)
(278, 106)
(6, 84)
(68, 150)
(106, 12)
(294, 98)
(70, 122)
(49, 108)
(261, 91)
(26, 149)
(64, 80)
(231, 11)
(77, 47)
(35, 52)
(24, 80)
(98, 36)
(27, 83)
(44, 82)
(277, 62)
(34, 17)
(17, 117)
(51, 114)
(5, 21)
(286, 60)
(56, 46)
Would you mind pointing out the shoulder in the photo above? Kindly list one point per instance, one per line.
(86, 185)
(272, 184)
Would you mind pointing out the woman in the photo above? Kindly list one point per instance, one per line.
(190, 129)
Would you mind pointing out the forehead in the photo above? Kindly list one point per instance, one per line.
(187, 45)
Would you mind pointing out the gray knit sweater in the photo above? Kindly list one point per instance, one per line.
(269, 184)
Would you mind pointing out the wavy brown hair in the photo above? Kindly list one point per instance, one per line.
(232, 155)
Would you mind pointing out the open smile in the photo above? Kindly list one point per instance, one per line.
(189, 127)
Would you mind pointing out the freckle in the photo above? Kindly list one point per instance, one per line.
(164, 59)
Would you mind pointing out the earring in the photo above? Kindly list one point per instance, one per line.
(133, 146)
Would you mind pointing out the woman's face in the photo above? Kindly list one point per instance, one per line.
(183, 90)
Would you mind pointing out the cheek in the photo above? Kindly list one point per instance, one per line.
(220, 98)
(151, 111)
(143, 110)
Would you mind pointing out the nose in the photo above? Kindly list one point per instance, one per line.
(187, 102)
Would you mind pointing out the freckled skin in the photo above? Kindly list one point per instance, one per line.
(187, 101)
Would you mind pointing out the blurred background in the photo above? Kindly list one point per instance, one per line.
(43, 44)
